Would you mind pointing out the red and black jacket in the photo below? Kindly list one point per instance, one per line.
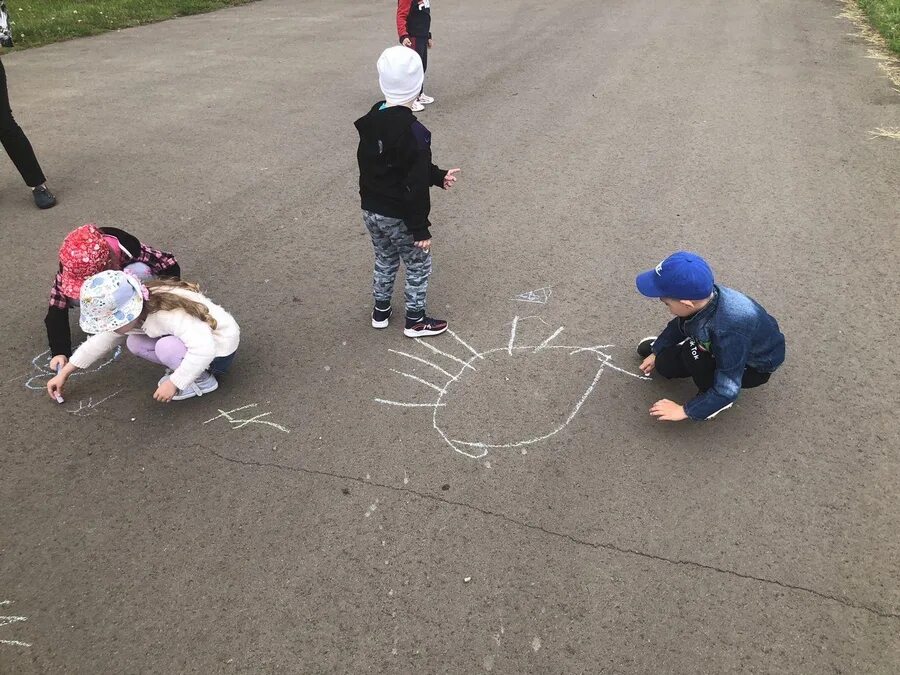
(413, 19)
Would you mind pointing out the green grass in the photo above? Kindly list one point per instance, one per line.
(39, 22)
(885, 17)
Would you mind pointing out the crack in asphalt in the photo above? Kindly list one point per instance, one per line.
(562, 535)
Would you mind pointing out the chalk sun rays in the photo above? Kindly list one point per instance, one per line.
(447, 365)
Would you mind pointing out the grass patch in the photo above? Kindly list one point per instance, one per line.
(39, 22)
(885, 16)
(880, 50)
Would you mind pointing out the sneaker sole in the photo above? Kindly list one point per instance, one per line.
(380, 324)
(649, 337)
(408, 332)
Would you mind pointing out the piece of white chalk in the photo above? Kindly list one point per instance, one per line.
(59, 399)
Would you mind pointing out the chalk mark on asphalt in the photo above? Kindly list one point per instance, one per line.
(9, 620)
(41, 364)
(562, 535)
(241, 423)
(477, 449)
(89, 408)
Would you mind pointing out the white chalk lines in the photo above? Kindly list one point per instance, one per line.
(8, 620)
(477, 449)
(89, 408)
(41, 364)
(539, 296)
(237, 423)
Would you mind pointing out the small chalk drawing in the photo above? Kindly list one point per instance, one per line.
(90, 408)
(237, 423)
(41, 373)
(510, 354)
(9, 620)
(539, 296)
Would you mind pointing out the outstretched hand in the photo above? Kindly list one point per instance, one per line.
(450, 178)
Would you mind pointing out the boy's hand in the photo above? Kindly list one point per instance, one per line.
(165, 392)
(450, 178)
(57, 362)
(430, 43)
(648, 365)
(407, 42)
(668, 411)
(425, 245)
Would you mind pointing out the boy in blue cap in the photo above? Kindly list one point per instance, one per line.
(719, 337)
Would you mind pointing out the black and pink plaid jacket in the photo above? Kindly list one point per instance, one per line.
(161, 263)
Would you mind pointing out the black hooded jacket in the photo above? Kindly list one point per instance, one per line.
(395, 169)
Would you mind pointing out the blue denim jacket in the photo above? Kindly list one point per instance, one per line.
(739, 333)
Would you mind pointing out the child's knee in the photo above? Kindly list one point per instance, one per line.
(136, 344)
(664, 368)
(170, 349)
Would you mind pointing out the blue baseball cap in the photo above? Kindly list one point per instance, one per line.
(682, 276)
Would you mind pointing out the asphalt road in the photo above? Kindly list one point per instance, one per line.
(349, 535)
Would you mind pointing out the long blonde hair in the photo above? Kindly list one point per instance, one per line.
(160, 300)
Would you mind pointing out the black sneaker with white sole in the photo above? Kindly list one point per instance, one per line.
(43, 198)
(423, 326)
(381, 316)
(645, 346)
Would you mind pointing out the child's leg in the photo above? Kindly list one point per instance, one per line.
(418, 269)
(420, 45)
(167, 351)
(387, 257)
(754, 378)
(687, 360)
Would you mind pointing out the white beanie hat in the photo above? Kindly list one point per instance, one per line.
(400, 74)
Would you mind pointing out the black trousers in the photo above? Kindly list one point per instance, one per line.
(420, 44)
(688, 360)
(15, 142)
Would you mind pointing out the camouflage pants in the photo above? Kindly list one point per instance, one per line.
(393, 243)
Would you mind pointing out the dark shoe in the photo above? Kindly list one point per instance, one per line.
(43, 198)
(645, 346)
(381, 317)
(423, 326)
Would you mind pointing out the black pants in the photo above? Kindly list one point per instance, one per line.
(15, 142)
(420, 44)
(688, 360)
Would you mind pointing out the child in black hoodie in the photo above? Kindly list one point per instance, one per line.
(395, 174)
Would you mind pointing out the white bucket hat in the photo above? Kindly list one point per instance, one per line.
(110, 300)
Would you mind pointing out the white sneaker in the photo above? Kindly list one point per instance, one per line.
(416, 106)
(164, 377)
(205, 384)
(425, 100)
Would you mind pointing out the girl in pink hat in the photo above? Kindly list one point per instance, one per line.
(88, 250)
(166, 321)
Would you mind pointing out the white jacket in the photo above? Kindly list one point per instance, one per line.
(202, 342)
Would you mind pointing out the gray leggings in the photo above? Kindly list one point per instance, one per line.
(393, 242)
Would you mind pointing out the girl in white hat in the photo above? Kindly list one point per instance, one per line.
(167, 322)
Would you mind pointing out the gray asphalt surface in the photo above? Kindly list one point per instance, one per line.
(594, 138)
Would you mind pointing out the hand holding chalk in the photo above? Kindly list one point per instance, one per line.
(54, 388)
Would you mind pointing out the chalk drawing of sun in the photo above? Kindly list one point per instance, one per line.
(512, 396)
